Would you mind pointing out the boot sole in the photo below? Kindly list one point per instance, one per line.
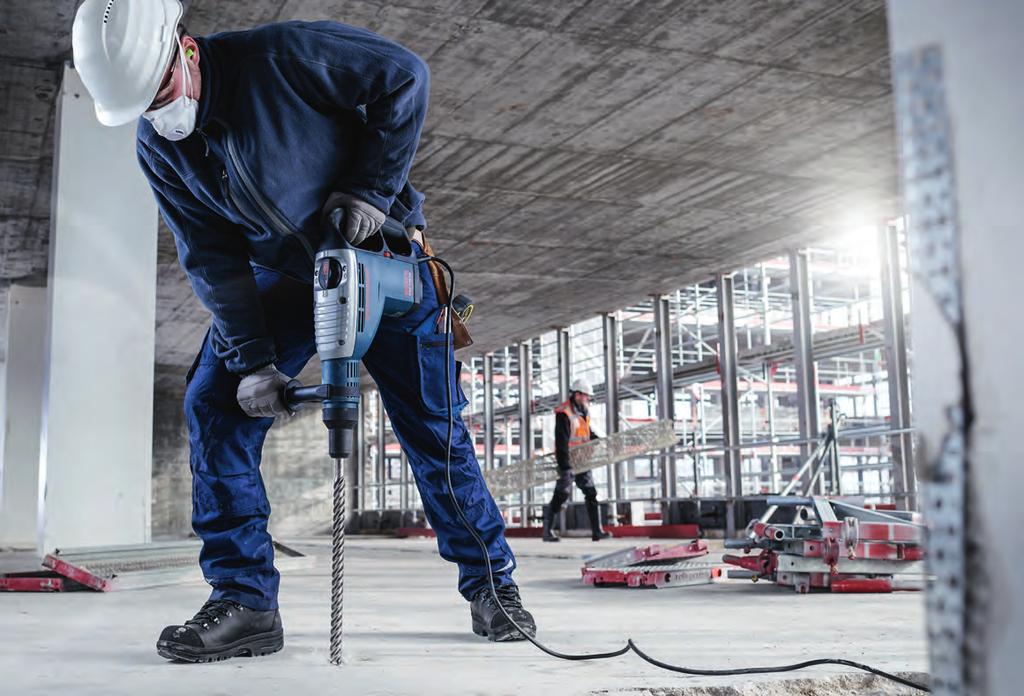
(251, 646)
(508, 634)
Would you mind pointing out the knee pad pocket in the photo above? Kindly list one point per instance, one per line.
(237, 494)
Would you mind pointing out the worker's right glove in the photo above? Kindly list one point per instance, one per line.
(259, 393)
(361, 219)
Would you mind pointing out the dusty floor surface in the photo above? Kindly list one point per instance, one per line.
(407, 632)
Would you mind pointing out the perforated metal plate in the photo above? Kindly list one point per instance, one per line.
(933, 233)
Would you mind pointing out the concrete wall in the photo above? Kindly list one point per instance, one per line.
(296, 470)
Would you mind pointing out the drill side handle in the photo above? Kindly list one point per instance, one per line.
(296, 394)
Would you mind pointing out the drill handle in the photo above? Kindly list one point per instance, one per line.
(296, 395)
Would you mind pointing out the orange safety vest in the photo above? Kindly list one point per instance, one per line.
(579, 426)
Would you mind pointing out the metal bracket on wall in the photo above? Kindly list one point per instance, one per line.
(926, 154)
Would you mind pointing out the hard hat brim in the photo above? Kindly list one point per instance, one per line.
(126, 113)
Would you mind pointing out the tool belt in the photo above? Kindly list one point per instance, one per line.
(460, 334)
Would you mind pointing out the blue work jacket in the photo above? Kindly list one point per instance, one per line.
(288, 113)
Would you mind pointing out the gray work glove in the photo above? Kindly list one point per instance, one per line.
(361, 219)
(259, 393)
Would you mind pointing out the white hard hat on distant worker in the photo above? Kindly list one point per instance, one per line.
(121, 50)
(582, 386)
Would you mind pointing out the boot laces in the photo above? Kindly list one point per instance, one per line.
(213, 611)
(508, 594)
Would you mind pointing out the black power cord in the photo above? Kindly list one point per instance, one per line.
(630, 645)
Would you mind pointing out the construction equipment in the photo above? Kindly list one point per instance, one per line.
(831, 544)
(652, 566)
(353, 288)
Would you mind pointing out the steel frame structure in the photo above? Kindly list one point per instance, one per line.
(743, 364)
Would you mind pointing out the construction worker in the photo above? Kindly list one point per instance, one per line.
(572, 428)
(248, 139)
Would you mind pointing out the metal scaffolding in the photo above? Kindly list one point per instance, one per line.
(732, 362)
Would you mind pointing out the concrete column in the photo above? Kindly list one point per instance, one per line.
(955, 69)
(803, 351)
(96, 446)
(488, 411)
(611, 395)
(730, 396)
(23, 410)
(526, 417)
(665, 388)
(902, 445)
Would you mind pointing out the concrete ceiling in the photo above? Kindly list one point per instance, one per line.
(578, 155)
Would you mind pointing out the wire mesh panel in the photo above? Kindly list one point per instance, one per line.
(616, 447)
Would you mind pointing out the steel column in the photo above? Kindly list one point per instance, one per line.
(525, 415)
(609, 325)
(564, 363)
(896, 365)
(381, 457)
(488, 411)
(730, 395)
(803, 351)
(665, 388)
(359, 463)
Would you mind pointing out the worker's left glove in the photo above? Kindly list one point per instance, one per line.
(361, 218)
(259, 393)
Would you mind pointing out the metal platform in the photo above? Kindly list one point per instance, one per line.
(652, 566)
(108, 568)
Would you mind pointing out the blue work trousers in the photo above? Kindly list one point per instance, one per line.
(229, 502)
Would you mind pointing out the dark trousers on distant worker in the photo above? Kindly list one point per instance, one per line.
(229, 502)
(563, 488)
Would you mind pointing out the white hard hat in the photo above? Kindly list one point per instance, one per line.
(582, 386)
(121, 49)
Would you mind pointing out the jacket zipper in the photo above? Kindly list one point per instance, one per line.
(277, 223)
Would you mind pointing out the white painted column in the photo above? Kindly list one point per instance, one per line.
(959, 108)
(23, 404)
(96, 447)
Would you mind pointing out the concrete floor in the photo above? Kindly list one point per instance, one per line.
(407, 632)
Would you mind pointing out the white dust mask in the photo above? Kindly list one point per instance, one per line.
(177, 120)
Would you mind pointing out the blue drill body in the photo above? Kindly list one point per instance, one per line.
(353, 287)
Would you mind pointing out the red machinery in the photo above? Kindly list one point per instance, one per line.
(834, 545)
(652, 566)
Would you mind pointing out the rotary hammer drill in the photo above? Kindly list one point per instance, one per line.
(353, 288)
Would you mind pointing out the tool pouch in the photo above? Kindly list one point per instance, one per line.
(460, 334)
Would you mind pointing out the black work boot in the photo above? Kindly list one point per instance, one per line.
(223, 629)
(596, 533)
(490, 622)
(549, 518)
